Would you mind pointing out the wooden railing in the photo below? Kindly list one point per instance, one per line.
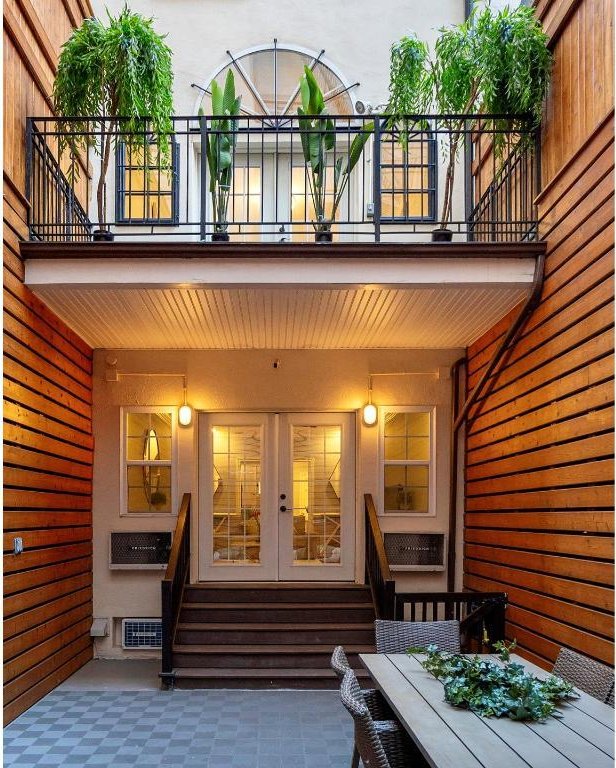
(172, 586)
(378, 575)
(481, 614)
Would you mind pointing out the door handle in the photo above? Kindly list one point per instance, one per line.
(292, 509)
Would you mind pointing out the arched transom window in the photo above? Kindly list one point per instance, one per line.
(267, 78)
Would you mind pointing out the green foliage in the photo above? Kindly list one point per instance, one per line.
(318, 139)
(493, 690)
(220, 146)
(493, 63)
(122, 70)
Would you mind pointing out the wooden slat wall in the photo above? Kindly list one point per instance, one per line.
(539, 464)
(47, 411)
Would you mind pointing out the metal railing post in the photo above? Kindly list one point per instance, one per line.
(376, 179)
(28, 189)
(203, 180)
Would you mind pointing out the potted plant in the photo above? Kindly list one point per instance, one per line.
(220, 147)
(318, 138)
(493, 63)
(119, 77)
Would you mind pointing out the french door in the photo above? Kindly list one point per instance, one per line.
(277, 497)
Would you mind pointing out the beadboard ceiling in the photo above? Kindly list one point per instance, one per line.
(280, 317)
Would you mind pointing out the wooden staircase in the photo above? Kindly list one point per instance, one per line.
(269, 635)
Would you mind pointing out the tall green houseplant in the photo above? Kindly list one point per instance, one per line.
(493, 63)
(107, 72)
(318, 138)
(220, 147)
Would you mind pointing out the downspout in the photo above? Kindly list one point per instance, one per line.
(459, 419)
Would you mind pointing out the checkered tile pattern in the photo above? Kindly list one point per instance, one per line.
(209, 729)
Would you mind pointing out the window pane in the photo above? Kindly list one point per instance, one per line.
(149, 489)
(236, 535)
(141, 444)
(406, 488)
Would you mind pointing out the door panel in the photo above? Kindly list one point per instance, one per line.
(276, 497)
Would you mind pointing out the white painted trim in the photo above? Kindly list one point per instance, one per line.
(195, 273)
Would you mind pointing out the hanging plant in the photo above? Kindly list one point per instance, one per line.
(122, 73)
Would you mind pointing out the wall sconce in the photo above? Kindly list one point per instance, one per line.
(369, 411)
(185, 413)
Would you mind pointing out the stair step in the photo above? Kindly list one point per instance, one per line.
(301, 613)
(263, 656)
(325, 592)
(273, 633)
(216, 677)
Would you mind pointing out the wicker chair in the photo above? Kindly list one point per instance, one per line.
(588, 675)
(376, 703)
(379, 743)
(399, 636)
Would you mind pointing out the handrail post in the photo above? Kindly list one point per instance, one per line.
(376, 180)
(203, 179)
(28, 189)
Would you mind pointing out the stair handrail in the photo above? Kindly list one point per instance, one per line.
(172, 586)
(378, 573)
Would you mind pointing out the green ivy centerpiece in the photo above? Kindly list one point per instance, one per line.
(494, 690)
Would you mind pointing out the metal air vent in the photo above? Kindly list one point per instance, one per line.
(415, 551)
(139, 549)
(142, 633)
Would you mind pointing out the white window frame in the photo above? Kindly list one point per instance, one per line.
(431, 463)
(124, 462)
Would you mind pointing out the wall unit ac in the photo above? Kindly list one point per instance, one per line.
(415, 551)
(130, 550)
(141, 634)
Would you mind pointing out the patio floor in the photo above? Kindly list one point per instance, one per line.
(97, 719)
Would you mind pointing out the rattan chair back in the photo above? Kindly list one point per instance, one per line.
(588, 675)
(339, 662)
(399, 636)
(367, 739)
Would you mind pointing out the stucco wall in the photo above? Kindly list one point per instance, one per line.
(231, 381)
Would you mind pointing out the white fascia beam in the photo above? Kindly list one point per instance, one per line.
(194, 273)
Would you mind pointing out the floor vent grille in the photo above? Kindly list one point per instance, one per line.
(142, 633)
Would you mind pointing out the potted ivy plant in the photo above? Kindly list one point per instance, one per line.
(318, 139)
(220, 148)
(492, 63)
(117, 76)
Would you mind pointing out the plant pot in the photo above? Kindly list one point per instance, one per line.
(323, 236)
(102, 236)
(220, 237)
(442, 235)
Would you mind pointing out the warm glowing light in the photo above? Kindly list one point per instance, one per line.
(185, 415)
(369, 414)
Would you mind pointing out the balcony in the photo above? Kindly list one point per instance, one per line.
(394, 193)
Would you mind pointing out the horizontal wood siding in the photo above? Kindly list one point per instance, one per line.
(47, 407)
(539, 445)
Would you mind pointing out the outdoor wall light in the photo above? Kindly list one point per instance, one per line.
(369, 411)
(185, 413)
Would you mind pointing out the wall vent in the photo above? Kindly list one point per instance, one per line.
(415, 551)
(139, 549)
(142, 633)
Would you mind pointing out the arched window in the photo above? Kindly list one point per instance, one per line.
(267, 78)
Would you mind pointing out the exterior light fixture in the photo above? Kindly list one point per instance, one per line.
(185, 413)
(369, 411)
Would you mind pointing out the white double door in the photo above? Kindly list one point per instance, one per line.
(277, 497)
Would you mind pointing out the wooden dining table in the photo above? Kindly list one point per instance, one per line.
(451, 737)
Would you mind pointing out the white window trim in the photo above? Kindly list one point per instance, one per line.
(431, 409)
(124, 411)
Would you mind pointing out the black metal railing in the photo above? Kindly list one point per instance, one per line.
(378, 575)
(172, 587)
(481, 614)
(394, 192)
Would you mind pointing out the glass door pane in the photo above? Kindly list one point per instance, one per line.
(316, 494)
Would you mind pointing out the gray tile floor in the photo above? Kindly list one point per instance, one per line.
(75, 727)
